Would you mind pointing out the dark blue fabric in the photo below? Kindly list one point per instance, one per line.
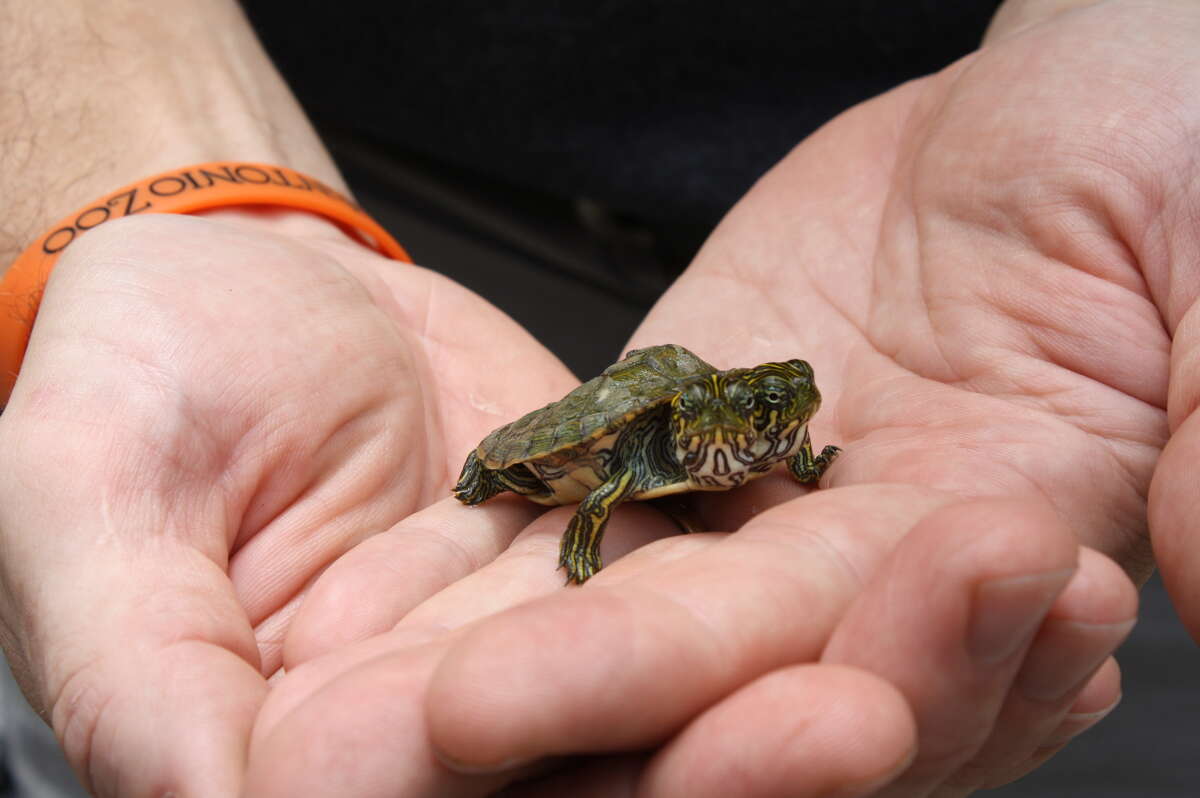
(661, 108)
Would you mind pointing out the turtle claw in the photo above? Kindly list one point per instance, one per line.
(581, 567)
(810, 473)
(476, 483)
(808, 469)
(580, 561)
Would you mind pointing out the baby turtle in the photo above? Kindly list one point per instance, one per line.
(660, 421)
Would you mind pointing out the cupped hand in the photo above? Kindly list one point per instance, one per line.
(984, 268)
(213, 409)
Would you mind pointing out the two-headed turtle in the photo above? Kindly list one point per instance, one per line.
(660, 421)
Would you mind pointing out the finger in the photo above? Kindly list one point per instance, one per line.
(352, 724)
(291, 689)
(375, 584)
(449, 565)
(807, 730)
(1088, 621)
(1098, 698)
(559, 675)
(529, 569)
(358, 731)
(305, 710)
(949, 618)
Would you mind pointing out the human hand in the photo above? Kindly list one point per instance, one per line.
(212, 409)
(1064, 322)
(972, 265)
(951, 259)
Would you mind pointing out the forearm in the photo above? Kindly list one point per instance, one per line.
(93, 96)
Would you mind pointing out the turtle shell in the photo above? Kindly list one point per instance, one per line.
(644, 379)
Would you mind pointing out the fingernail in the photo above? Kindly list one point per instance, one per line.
(876, 785)
(1067, 656)
(473, 769)
(1077, 723)
(1006, 612)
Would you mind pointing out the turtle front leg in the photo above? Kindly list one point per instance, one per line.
(808, 469)
(579, 552)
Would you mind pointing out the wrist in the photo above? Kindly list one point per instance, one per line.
(108, 98)
(193, 189)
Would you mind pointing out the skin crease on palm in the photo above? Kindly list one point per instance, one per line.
(984, 268)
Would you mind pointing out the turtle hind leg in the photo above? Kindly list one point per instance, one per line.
(808, 469)
(579, 552)
(477, 483)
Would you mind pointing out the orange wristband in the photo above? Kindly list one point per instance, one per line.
(187, 190)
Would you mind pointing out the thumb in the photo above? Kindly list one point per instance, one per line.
(136, 652)
(116, 612)
(147, 682)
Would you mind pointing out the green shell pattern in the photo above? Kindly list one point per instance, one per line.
(644, 379)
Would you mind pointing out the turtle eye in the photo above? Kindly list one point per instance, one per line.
(774, 394)
(686, 406)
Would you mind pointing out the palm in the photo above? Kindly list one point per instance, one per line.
(247, 399)
(956, 351)
(382, 393)
(387, 405)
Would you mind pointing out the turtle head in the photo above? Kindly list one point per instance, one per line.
(785, 395)
(727, 423)
(714, 410)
